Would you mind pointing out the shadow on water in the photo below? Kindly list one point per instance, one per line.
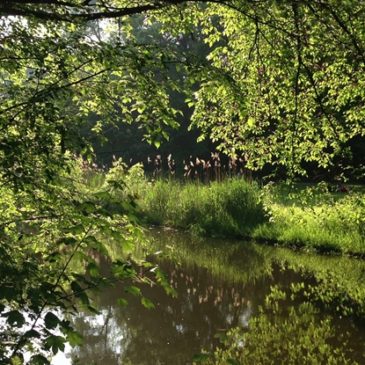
(220, 285)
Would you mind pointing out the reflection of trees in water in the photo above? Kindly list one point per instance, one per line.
(290, 334)
(102, 335)
(238, 281)
(174, 331)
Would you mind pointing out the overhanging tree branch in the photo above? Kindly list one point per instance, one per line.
(71, 11)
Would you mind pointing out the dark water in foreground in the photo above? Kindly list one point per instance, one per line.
(219, 285)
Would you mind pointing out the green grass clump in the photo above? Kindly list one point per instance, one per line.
(310, 217)
(230, 208)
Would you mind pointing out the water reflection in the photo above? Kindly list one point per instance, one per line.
(218, 287)
(176, 329)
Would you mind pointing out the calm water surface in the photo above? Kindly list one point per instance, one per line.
(219, 285)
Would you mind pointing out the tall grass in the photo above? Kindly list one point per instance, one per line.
(312, 217)
(230, 208)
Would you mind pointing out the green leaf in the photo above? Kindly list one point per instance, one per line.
(16, 360)
(201, 357)
(122, 302)
(51, 320)
(133, 290)
(79, 293)
(123, 270)
(55, 343)
(74, 338)
(32, 334)
(163, 281)
(67, 240)
(251, 122)
(92, 309)
(77, 229)
(93, 269)
(147, 303)
(39, 360)
(7, 293)
(15, 318)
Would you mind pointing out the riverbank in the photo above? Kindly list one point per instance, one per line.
(309, 218)
(271, 298)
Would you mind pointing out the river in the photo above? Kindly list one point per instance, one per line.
(219, 285)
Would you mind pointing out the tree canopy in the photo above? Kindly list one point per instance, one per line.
(283, 83)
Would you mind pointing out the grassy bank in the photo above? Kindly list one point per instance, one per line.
(300, 216)
(310, 218)
(315, 218)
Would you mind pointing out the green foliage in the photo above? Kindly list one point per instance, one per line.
(299, 100)
(279, 87)
(56, 211)
(230, 208)
(315, 218)
(50, 241)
